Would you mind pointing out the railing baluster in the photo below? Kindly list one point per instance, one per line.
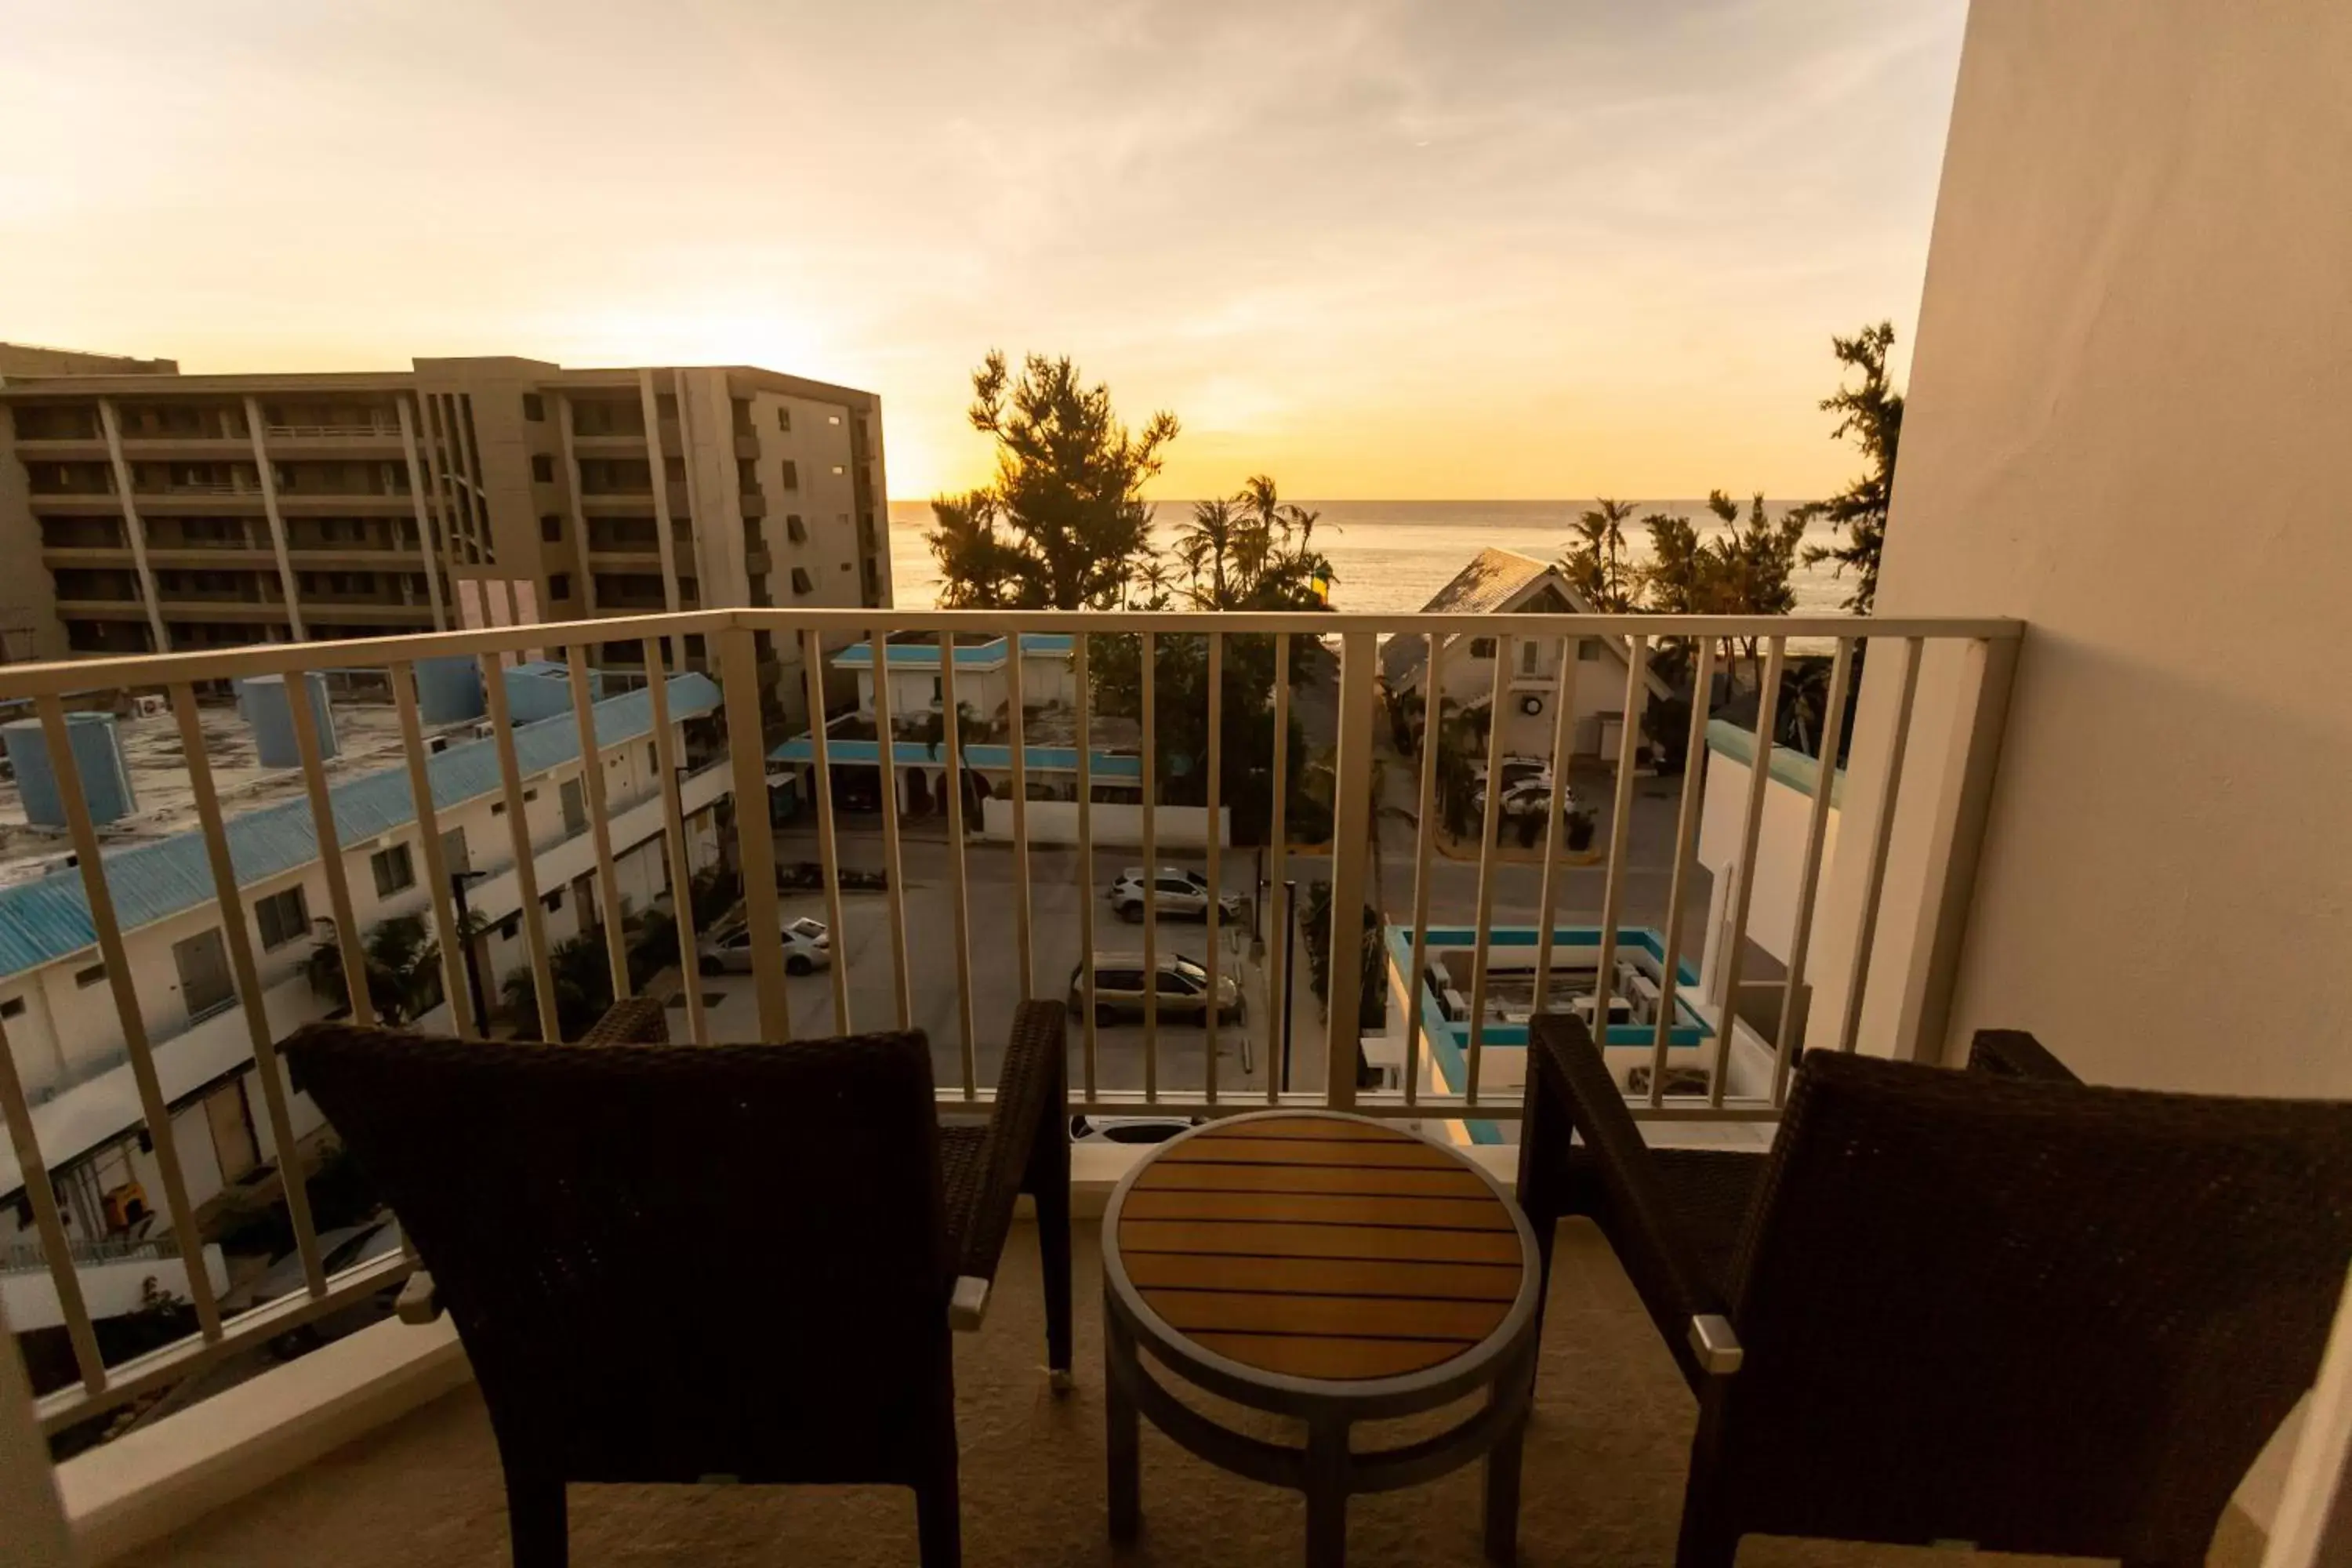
(1621, 824)
(330, 849)
(1490, 821)
(534, 922)
(1685, 866)
(1563, 738)
(1354, 837)
(1078, 651)
(682, 862)
(1424, 840)
(592, 778)
(1816, 835)
(1882, 834)
(755, 839)
(151, 1103)
(1149, 677)
(48, 1223)
(249, 995)
(828, 850)
(402, 678)
(951, 715)
(1015, 700)
(1277, 1060)
(1214, 647)
(1743, 887)
(893, 868)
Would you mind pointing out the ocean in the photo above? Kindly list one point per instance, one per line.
(1392, 555)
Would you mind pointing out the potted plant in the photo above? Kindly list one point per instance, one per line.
(1580, 830)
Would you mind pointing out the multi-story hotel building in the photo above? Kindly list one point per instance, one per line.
(172, 512)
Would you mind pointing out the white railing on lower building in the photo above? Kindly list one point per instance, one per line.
(1443, 1062)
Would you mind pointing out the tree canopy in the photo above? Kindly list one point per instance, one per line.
(1064, 524)
(1871, 415)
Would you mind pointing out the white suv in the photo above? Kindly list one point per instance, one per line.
(1174, 893)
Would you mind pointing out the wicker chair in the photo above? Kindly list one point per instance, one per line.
(2001, 1306)
(690, 1263)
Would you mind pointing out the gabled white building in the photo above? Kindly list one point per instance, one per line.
(1504, 582)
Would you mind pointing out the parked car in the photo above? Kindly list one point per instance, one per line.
(345, 1248)
(1183, 988)
(808, 947)
(1528, 797)
(1130, 1128)
(1175, 892)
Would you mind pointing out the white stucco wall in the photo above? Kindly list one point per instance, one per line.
(2130, 425)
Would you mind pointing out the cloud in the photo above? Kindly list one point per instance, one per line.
(1391, 247)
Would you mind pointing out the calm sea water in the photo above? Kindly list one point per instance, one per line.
(1392, 554)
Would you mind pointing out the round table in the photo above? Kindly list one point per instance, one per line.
(1331, 1269)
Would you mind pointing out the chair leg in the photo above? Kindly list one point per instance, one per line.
(1501, 1487)
(1123, 1438)
(939, 1505)
(536, 1522)
(1710, 1538)
(1049, 1187)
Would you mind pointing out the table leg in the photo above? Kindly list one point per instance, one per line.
(1502, 1473)
(1124, 1428)
(1327, 1494)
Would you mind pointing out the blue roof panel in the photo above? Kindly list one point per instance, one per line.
(44, 920)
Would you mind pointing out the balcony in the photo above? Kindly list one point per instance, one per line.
(986, 903)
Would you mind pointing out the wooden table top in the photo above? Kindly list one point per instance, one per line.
(1320, 1246)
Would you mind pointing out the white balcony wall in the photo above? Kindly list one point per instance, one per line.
(2128, 426)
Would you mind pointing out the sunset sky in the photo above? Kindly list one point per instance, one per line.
(1455, 250)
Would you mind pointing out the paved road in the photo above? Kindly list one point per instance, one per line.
(1057, 900)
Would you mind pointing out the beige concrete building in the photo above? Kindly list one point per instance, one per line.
(176, 512)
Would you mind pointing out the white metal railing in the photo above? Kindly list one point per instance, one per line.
(942, 986)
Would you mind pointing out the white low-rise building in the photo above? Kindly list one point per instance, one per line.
(58, 1008)
(1504, 582)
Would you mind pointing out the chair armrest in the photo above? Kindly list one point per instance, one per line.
(2014, 1053)
(1639, 1220)
(1028, 1107)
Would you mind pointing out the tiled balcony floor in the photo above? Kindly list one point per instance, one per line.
(1605, 1458)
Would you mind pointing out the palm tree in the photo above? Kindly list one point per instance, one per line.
(402, 963)
(583, 989)
(1594, 559)
(970, 728)
(1206, 541)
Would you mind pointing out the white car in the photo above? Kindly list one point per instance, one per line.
(1526, 797)
(1129, 1129)
(808, 947)
(1175, 892)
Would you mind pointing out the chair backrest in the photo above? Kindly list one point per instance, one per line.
(2038, 1316)
(669, 1262)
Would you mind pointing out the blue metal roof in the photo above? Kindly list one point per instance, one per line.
(972, 656)
(1111, 767)
(44, 920)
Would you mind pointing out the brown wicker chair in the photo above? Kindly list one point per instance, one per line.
(690, 1263)
(2001, 1306)
(630, 1021)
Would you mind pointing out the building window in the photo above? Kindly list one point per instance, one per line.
(453, 852)
(785, 420)
(510, 927)
(794, 528)
(1527, 651)
(394, 868)
(551, 529)
(1587, 651)
(1482, 647)
(552, 902)
(801, 582)
(542, 467)
(13, 1008)
(282, 917)
(832, 418)
(86, 978)
(838, 470)
(792, 475)
(559, 586)
(534, 408)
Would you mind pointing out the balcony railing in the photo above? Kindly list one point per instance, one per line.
(1512, 929)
